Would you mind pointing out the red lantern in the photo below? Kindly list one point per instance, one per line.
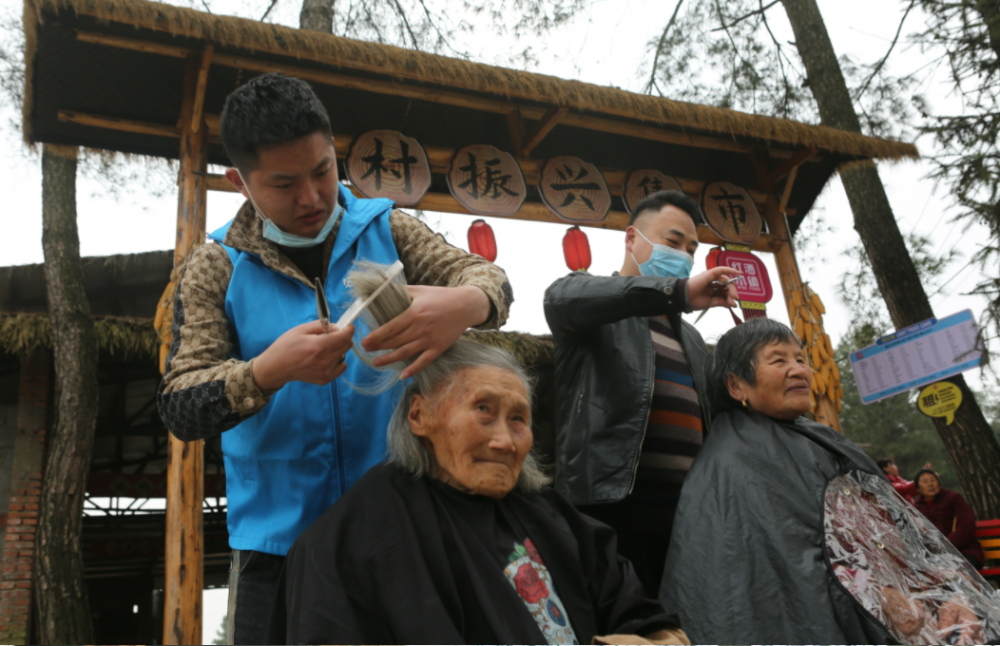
(576, 249)
(481, 240)
(712, 261)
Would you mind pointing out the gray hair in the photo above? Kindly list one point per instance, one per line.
(436, 380)
(736, 354)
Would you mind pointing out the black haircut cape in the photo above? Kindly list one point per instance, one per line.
(747, 560)
(393, 563)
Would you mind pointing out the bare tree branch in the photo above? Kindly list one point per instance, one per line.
(659, 48)
(271, 6)
(879, 65)
(755, 12)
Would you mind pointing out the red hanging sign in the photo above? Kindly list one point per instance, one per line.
(753, 288)
(576, 249)
(481, 240)
(754, 285)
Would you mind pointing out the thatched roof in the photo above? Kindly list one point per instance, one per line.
(409, 65)
(126, 285)
(23, 333)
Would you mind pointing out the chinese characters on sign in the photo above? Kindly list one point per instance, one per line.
(574, 190)
(386, 163)
(486, 180)
(920, 354)
(640, 184)
(940, 400)
(731, 213)
(754, 287)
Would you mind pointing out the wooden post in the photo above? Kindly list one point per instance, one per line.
(784, 258)
(184, 562)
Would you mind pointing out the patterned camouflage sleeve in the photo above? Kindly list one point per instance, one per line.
(204, 392)
(430, 260)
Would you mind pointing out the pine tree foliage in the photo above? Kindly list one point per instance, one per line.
(728, 54)
(968, 32)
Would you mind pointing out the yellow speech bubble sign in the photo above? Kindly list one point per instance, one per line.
(940, 400)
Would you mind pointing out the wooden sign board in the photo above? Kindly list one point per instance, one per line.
(386, 163)
(640, 184)
(574, 190)
(486, 180)
(731, 213)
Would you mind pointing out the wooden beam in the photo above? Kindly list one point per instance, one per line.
(438, 156)
(653, 133)
(114, 123)
(791, 163)
(538, 212)
(198, 111)
(788, 266)
(786, 193)
(184, 557)
(543, 127)
(219, 183)
(515, 126)
(134, 44)
(486, 104)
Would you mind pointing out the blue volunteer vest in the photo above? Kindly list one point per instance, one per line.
(301, 452)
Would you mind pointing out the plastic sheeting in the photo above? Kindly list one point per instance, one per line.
(902, 569)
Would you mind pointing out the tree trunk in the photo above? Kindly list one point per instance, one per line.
(969, 440)
(990, 14)
(61, 597)
(317, 15)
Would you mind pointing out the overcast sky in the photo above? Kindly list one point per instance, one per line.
(605, 45)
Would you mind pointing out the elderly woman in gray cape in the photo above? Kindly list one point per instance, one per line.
(456, 539)
(786, 532)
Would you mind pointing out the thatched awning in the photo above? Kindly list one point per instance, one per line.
(126, 285)
(130, 337)
(95, 66)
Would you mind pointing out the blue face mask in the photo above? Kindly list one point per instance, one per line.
(277, 236)
(665, 261)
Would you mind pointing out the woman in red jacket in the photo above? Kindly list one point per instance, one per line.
(950, 514)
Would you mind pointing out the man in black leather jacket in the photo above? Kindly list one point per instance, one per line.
(629, 372)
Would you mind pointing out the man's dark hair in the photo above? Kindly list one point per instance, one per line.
(270, 109)
(883, 463)
(660, 199)
(736, 354)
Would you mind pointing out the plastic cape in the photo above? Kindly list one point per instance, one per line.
(395, 562)
(789, 533)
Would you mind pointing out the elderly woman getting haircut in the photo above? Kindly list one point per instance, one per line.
(787, 532)
(454, 539)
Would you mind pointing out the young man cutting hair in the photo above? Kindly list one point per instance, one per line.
(249, 358)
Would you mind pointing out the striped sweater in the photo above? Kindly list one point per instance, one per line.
(673, 433)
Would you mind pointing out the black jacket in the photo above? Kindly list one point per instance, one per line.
(604, 376)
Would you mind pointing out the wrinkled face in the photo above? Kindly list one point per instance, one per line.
(478, 428)
(928, 485)
(671, 227)
(783, 382)
(295, 183)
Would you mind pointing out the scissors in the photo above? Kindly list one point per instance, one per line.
(322, 306)
(720, 289)
(720, 286)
